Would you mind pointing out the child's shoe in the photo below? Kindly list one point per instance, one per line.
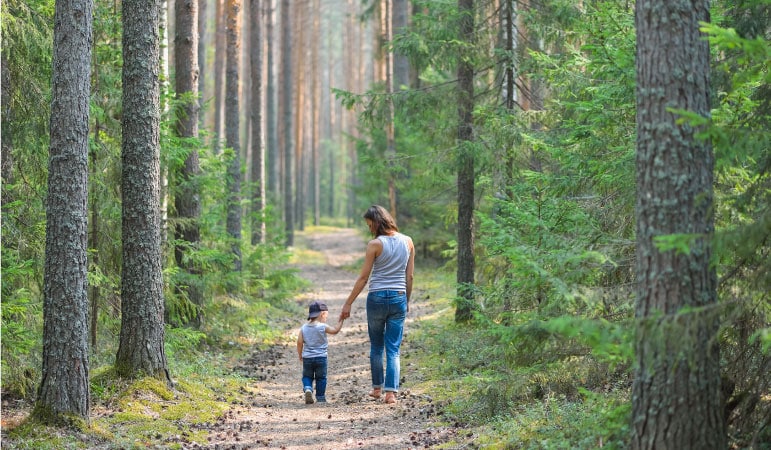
(308, 397)
(321, 399)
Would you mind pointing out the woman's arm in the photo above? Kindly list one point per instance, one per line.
(374, 248)
(410, 272)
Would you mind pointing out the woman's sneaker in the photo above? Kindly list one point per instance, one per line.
(308, 397)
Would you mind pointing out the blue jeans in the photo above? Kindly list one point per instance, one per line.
(315, 369)
(386, 311)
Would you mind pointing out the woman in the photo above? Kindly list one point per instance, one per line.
(389, 264)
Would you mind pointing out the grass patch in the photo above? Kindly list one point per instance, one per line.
(307, 256)
(597, 421)
(34, 436)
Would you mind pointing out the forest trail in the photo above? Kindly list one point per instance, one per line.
(278, 416)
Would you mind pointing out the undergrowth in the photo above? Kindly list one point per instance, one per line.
(146, 412)
(521, 385)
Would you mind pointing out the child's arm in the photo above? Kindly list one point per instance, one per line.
(337, 328)
(300, 344)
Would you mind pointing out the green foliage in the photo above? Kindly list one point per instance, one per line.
(739, 132)
(27, 35)
(536, 384)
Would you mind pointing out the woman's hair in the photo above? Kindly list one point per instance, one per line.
(381, 220)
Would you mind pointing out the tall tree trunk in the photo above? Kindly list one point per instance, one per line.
(676, 395)
(187, 199)
(509, 34)
(258, 149)
(141, 349)
(273, 150)
(509, 87)
(6, 158)
(220, 55)
(286, 100)
(351, 55)
(203, 44)
(465, 274)
(165, 27)
(232, 128)
(401, 16)
(315, 184)
(245, 91)
(299, 53)
(64, 386)
(93, 236)
(386, 23)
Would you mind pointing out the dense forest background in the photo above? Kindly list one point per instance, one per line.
(504, 145)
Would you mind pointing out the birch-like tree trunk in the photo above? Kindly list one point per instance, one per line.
(258, 147)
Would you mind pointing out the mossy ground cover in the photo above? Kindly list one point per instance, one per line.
(146, 413)
(141, 414)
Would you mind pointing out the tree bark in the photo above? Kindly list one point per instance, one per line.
(258, 149)
(388, 68)
(286, 100)
(232, 129)
(316, 104)
(64, 386)
(465, 273)
(273, 149)
(300, 111)
(401, 63)
(676, 395)
(203, 44)
(141, 350)
(219, 71)
(187, 199)
(6, 158)
(93, 237)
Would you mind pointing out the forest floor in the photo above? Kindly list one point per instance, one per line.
(271, 412)
(279, 417)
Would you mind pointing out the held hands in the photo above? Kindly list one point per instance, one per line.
(346, 312)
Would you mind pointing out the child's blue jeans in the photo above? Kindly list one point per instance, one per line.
(315, 369)
(386, 312)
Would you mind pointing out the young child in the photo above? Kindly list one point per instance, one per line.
(312, 350)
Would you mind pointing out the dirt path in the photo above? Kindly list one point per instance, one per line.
(278, 416)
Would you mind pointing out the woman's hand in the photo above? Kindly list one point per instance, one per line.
(346, 312)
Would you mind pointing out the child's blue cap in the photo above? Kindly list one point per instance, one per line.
(315, 310)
